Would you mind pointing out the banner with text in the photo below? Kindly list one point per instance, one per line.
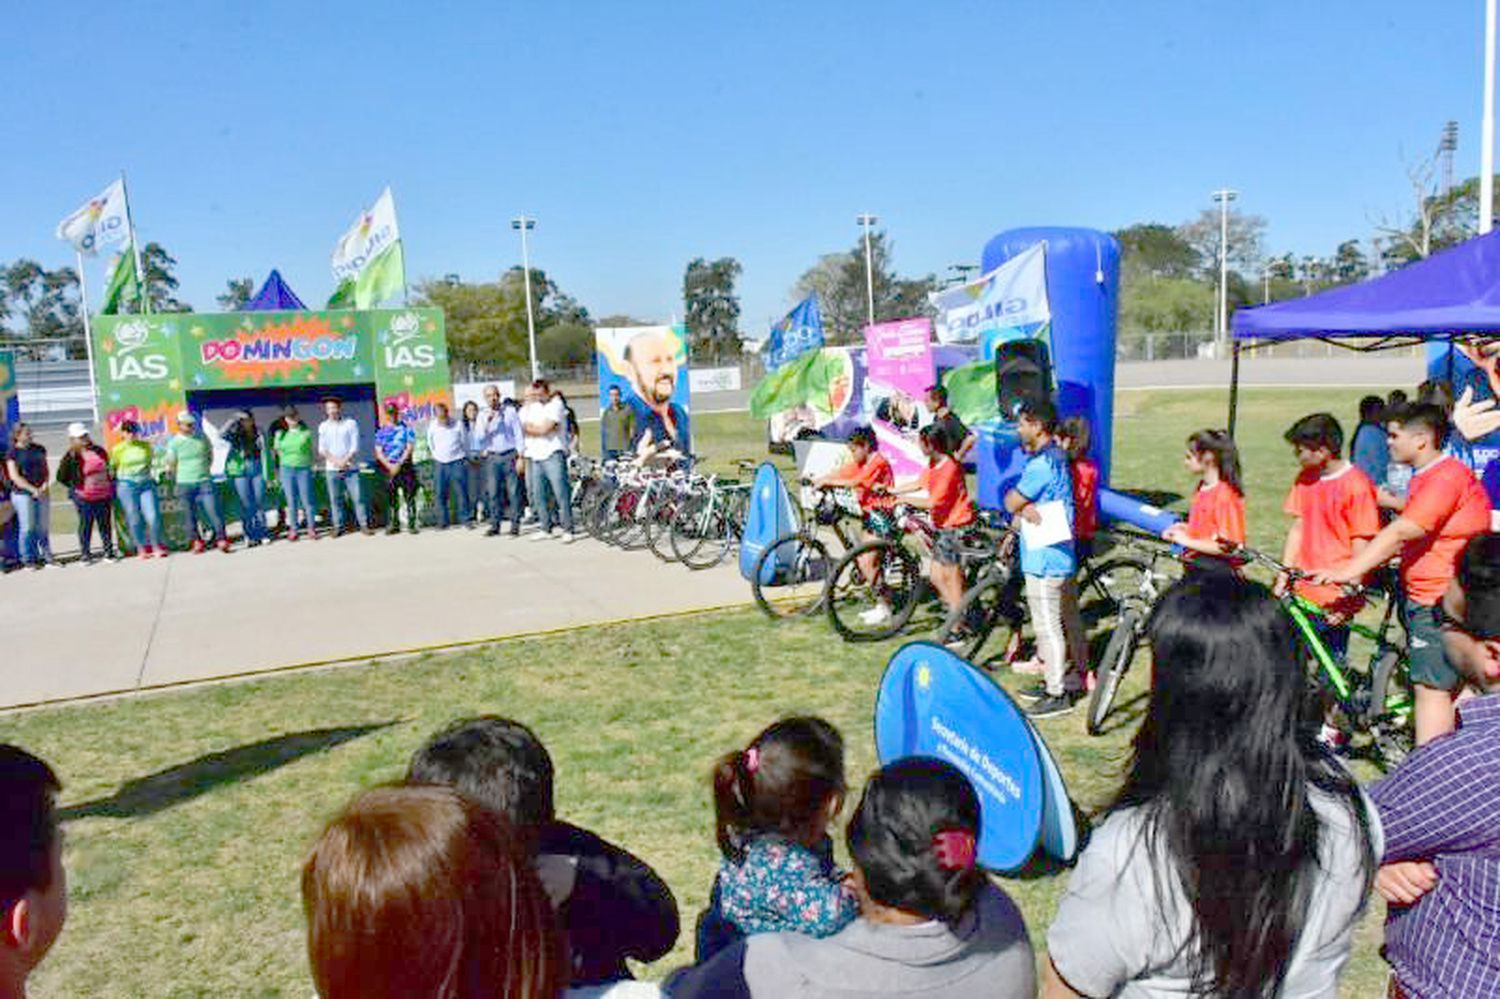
(899, 370)
(1008, 303)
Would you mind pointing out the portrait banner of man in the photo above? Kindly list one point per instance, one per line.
(649, 365)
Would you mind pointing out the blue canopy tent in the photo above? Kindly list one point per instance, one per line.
(274, 296)
(1451, 294)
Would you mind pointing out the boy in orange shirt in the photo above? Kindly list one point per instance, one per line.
(1334, 515)
(869, 474)
(1445, 507)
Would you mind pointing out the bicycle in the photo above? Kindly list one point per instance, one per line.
(1375, 702)
(795, 567)
(1133, 600)
(712, 521)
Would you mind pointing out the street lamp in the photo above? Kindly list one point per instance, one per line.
(867, 222)
(522, 224)
(1221, 335)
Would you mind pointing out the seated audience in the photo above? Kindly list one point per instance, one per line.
(1440, 812)
(1236, 859)
(421, 891)
(931, 923)
(33, 886)
(773, 802)
(611, 904)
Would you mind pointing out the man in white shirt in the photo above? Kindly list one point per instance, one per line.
(338, 446)
(445, 439)
(500, 429)
(543, 424)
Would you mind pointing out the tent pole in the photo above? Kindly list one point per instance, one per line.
(1234, 384)
(1450, 365)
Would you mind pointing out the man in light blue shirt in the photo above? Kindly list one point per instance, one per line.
(338, 446)
(1046, 488)
(500, 430)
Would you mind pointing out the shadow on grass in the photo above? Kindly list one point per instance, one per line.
(1125, 714)
(165, 788)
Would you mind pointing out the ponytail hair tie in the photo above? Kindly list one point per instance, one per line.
(955, 849)
(752, 760)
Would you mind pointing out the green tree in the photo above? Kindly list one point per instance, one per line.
(1437, 220)
(486, 321)
(1166, 305)
(1349, 263)
(618, 320)
(236, 294)
(46, 302)
(161, 280)
(1156, 250)
(566, 345)
(712, 307)
(839, 280)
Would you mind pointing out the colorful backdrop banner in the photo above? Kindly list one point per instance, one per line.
(649, 365)
(145, 366)
(899, 370)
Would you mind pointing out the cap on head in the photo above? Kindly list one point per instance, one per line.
(186, 419)
(77, 430)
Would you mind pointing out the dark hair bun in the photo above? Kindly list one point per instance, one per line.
(892, 838)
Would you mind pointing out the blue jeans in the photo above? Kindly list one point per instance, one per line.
(251, 490)
(504, 488)
(196, 496)
(349, 479)
(138, 500)
(296, 488)
(451, 478)
(33, 520)
(551, 475)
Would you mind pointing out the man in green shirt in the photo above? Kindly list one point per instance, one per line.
(294, 455)
(189, 456)
(616, 426)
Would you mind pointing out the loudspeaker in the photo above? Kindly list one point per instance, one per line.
(1023, 373)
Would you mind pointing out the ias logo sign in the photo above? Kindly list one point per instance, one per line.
(133, 361)
(403, 348)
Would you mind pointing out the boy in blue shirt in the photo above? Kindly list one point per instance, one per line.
(1045, 490)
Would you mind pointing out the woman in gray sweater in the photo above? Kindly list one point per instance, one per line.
(931, 924)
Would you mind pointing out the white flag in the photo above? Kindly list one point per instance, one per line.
(100, 222)
(1013, 294)
(375, 230)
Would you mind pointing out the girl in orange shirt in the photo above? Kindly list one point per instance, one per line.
(1216, 520)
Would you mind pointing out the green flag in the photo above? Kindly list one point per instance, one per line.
(343, 295)
(808, 377)
(382, 279)
(124, 287)
(972, 393)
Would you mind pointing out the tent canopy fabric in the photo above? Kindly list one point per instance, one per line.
(1453, 292)
(274, 296)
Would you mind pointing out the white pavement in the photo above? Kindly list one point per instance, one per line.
(82, 630)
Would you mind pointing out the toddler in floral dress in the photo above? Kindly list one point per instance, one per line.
(773, 803)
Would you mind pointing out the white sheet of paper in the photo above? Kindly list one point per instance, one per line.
(1054, 528)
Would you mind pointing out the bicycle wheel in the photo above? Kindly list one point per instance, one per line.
(713, 542)
(690, 525)
(1106, 585)
(631, 534)
(1388, 715)
(789, 577)
(989, 609)
(1113, 666)
(854, 602)
(659, 527)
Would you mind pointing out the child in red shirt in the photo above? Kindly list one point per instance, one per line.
(1073, 435)
(947, 496)
(1216, 519)
(867, 473)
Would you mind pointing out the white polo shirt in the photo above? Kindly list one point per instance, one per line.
(545, 445)
(446, 441)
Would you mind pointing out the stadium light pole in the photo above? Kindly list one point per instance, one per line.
(1487, 126)
(867, 222)
(522, 224)
(1223, 196)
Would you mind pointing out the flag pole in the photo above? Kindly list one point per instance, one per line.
(135, 248)
(88, 336)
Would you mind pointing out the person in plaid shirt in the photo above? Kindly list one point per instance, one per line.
(1440, 810)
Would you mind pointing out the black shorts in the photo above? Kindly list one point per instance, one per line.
(948, 546)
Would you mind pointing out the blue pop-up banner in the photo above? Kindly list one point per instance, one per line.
(933, 703)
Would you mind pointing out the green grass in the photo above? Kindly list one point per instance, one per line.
(189, 812)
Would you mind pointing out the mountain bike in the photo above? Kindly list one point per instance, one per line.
(789, 578)
(1134, 582)
(1374, 703)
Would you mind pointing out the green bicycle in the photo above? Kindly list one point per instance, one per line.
(1373, 704)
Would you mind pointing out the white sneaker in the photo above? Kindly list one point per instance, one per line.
(570, 537)
(542, 536)
(875, 616)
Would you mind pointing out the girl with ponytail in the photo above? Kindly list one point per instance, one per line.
(773, 803)
(1216, 521)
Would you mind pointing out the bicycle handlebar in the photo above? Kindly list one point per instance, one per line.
(1293, 575)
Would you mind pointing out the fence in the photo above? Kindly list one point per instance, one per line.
(1158, 346)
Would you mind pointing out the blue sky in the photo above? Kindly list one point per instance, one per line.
(644, 134)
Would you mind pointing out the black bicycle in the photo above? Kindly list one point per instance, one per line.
(789, 578)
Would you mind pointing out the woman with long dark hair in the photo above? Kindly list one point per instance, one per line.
(1236, 859)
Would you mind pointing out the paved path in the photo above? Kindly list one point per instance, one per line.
(88, 630)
